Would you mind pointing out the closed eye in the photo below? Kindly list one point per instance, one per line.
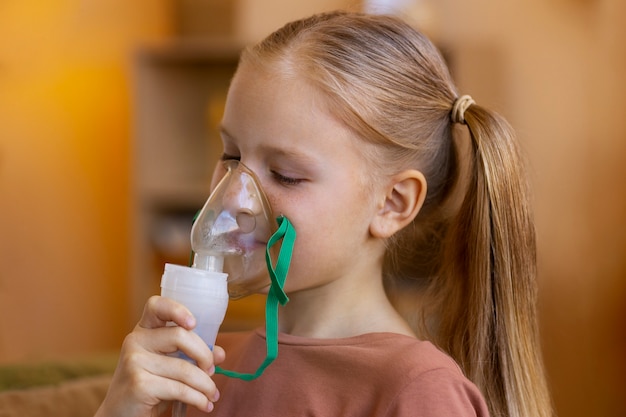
(286, 180)
(227, 157)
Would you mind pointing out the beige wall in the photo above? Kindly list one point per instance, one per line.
(64, 152)
(555, 68)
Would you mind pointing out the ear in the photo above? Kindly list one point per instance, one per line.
(404, 196)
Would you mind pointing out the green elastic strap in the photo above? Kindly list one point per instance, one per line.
(275, 296)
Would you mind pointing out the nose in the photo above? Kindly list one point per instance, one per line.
(242, 197)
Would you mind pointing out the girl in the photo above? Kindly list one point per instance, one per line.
(415, 244)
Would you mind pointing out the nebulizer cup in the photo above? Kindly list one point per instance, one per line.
(229, 240)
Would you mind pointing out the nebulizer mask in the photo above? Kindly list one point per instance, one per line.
(238, 249)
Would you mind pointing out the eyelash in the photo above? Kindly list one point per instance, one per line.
(280, 178)
(286, 180)
(227, 157)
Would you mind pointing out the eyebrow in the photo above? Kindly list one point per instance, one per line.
(275, 150)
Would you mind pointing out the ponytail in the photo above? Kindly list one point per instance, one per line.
(485, 292)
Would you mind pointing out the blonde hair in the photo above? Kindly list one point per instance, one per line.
(471, 259)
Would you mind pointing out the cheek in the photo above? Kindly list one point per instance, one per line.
(324, 230)
(282, 203)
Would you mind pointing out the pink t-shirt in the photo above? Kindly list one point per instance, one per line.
(377, 374)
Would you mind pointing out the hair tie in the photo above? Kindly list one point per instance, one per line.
(458, 108)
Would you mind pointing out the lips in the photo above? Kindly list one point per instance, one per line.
(236, 243)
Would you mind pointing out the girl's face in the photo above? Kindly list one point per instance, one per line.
(312, 170)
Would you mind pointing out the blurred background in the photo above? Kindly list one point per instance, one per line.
(107, 116)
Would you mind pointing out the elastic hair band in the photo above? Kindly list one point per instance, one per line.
(458, 108)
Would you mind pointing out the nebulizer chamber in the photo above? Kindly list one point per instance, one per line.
(228, 240)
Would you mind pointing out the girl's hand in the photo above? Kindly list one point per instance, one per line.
(146, 376)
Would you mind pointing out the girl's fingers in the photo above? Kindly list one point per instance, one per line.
(219, 355)
(153, 332)
(151, 388)
(185, 381)
(161, 310)
(171, 339)
(149, 371)
(151, 378)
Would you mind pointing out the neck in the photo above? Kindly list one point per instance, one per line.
(342, 308)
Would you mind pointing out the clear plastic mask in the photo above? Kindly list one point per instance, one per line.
(236, 233)
(231, 232)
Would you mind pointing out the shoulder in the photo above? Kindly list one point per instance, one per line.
(406, 376)
(427, 382)
(438, 392)
(407, 355)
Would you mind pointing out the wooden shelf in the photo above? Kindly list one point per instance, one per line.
(179, 93)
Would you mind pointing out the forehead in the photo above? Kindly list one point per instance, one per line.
(283, 109)
(277, 87)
